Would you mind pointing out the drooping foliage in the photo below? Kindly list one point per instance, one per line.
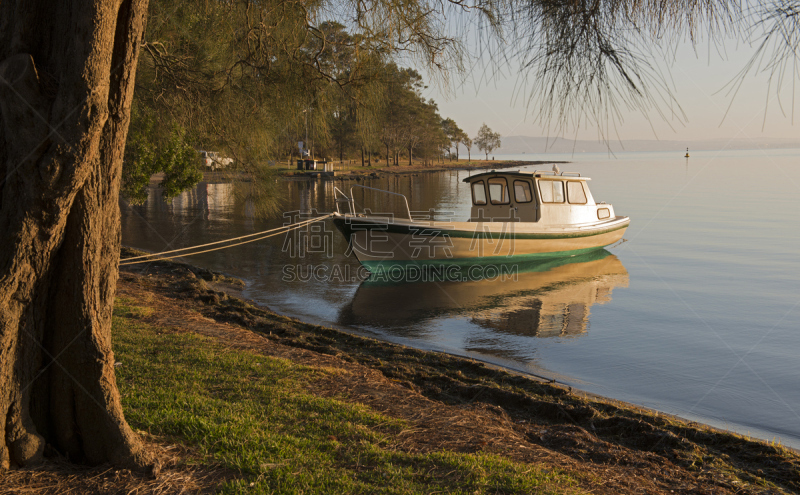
(774, 28)
(148, 152)
(588, 62)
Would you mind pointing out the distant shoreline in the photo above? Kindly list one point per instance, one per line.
(357, 172)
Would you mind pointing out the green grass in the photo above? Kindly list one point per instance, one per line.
(252, 414)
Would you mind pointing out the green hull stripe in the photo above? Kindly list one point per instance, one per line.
(351, 227)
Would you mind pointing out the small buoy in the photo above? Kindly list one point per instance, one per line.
(687, 153)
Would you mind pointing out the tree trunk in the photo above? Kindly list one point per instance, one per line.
(362, 156)
(66, 83)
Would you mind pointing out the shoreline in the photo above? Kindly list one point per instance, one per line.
(375, 171)
(572, 389)
(236, 290)
(609, 423)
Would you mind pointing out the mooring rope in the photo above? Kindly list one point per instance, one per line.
(619, 242)
(272, 232)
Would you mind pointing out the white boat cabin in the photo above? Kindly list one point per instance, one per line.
(545, 197)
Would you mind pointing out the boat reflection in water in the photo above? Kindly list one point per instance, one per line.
(543, 299)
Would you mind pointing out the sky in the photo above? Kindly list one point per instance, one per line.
(699, 76)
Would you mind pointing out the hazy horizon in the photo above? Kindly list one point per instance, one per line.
(699, 78)
(515, 145)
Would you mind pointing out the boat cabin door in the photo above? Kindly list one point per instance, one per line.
(525, 200)
(504, 199)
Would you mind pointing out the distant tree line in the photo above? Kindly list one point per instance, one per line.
(213, 77)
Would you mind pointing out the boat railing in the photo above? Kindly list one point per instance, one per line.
(405, 200)
(538, 173)
(340, 197)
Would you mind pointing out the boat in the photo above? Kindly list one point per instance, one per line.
(514, 216)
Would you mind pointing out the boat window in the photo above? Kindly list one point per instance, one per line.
(552, 191)
(498, 191)
(522, 191)
(478, 193)
(575, 192)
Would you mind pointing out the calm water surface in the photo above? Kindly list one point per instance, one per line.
(696, 315)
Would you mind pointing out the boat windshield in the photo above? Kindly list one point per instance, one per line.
(575, 192)
(478, 193)
(552, 191)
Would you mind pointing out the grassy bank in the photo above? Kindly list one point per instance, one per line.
(254, 416)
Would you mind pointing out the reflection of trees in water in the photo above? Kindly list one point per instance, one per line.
(210, 199)
(229, 200)
(183, 220)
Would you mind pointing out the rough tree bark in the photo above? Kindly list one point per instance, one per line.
(66, 83)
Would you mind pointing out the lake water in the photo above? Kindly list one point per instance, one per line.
(695, 315)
